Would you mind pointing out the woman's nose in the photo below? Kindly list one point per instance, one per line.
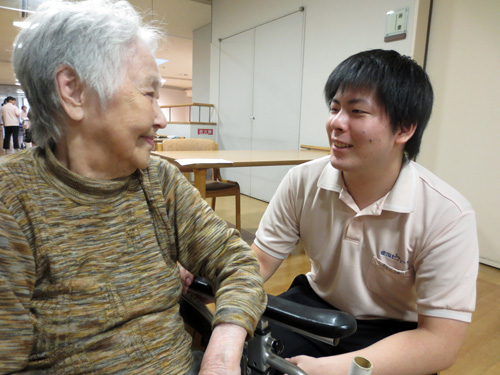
(160, 119)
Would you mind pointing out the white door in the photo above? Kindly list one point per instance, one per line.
(236, 101)
(259, 104)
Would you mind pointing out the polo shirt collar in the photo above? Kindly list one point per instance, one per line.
(400, 199)
(402, 196)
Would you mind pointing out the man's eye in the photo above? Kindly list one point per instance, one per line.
(358, 111)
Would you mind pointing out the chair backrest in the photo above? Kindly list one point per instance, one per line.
(189, 144)
(193, 144)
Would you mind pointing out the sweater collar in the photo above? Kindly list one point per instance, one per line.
(74, 185)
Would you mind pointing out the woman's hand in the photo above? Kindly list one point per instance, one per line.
(186, 278)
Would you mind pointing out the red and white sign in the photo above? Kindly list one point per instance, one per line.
(206, 131)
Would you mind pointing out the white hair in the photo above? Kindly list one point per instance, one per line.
(93, 37)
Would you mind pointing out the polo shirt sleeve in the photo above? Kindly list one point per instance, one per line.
(447, 267)
(278, 232)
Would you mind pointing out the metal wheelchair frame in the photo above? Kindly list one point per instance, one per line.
(261, 353)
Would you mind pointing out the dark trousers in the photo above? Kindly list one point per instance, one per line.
(11, 131)
(368, 332)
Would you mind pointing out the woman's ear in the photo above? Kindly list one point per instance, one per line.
(70, 90)
(404, 134)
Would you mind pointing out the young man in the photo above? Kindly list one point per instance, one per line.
(388, 241)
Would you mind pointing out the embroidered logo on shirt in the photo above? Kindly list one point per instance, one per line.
(394, 257)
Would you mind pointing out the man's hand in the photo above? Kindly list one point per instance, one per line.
(311, 365)
(223, 354)
(430, 348)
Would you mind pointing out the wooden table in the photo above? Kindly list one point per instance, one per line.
(235, 158)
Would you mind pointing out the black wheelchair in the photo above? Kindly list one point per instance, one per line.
(261, 353)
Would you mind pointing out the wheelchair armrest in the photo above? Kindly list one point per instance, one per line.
(202, 287)
(326, 323)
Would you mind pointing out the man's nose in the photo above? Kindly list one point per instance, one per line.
(338, 121)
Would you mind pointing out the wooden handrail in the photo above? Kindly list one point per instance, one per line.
(190, 107)
(187, 105)
(320, 148)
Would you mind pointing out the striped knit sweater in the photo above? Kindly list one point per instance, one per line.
(88, 275)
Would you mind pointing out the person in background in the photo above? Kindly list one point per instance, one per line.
(24, 125)
(10, 118)
(92, 226)
(28, 141)
(1, 124)
(24, 113)
(388, 241)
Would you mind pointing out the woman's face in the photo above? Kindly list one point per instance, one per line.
(121, 138)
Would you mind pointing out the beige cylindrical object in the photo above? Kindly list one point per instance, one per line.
(360, 366)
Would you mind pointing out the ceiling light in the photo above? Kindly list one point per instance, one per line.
(161, 61)
(22, 24)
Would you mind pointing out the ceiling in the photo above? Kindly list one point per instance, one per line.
(179, 18)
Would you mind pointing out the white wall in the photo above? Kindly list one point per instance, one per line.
(201, 64)
(334, 30)
(460, 144)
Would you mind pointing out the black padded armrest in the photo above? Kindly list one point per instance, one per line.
(321, 322)
(202, 286)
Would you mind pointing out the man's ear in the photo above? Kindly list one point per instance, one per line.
(70, 90)
(404, 134)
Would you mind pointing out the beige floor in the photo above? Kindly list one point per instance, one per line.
(480, 354)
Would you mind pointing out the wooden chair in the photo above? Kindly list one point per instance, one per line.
(216, 186)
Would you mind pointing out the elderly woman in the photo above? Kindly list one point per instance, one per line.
(92, 226)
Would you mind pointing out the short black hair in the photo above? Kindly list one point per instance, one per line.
(398, 82)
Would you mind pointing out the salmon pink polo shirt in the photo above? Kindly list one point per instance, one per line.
(414, 251)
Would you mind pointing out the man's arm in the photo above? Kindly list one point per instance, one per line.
(268, 264)
(432, 347)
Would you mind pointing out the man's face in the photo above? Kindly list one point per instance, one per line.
(360, 133)
(122, 137)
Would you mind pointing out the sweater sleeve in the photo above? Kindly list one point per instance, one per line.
(17, 279)
(206, 246)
